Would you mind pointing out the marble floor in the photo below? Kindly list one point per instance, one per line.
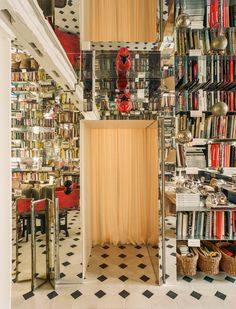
(121, 277)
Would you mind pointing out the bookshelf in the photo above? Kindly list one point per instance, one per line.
(205, 76)
(45, 129)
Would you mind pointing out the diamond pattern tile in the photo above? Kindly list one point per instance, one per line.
(66, 263)
(76, 294)
(100, 294)
(140, 255)
(172, 294)
(123, 278)
(142, 265)
(196, 295)
(122, 255)
(102, 278)
(144, 278)
(220, 295)
(103, 266)
(230, 279)
(52, 295)
(124, 294)
(208, 279)
(122, 265)
(148, 294)
(104, 255)
(187, 279)
(28, 295)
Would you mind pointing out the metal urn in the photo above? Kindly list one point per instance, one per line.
(183, 21)
(219, 43)
(184, 137)
(219, 109)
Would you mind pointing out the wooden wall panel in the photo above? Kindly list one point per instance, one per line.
(119, 20)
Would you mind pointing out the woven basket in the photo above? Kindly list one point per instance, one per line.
(227, 263)
(208, 264)
(187, 266)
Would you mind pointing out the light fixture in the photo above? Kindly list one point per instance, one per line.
(184, 137)
(219, 109)
(219, 43)
(183, 20)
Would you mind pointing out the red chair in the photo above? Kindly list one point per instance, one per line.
(23, 215)
(66, 202)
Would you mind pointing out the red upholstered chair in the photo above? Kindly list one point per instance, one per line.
(23, 215)
(66, 202)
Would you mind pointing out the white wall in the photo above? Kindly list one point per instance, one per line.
(5, 171)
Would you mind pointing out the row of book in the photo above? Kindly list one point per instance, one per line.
(32, 122)
(69, 154)
(30, 176)
(33, 76)
(206, 72)
(69, 117)
(32, 136)
(67, 133)
(25, 153)
(208, 224)
(204, 100)
(29, 105)
(199, 41)
(208, 126)
(221, 155)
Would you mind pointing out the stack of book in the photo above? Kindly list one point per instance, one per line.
(208, 224)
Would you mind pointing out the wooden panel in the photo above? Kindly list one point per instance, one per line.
(119, 20)
(120, 124)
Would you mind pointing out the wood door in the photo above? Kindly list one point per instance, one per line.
(119, 20)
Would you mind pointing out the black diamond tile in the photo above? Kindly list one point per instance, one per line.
(39, 240)
(188, 279)
(76, 239)
(196, 295)
(78, 233)
(28, 295)
(138, 247)
(230, 279)
(173, 254)
(123, 278)
(76, 294)
(208, 279)
(172, 294)
(42, 246)
(170, 246)
(44, 252)
(155, 247)
(103, 266)
(66, 263)
(144, 278)
(70, 253)
(220, 295)
(124, 294)
(122, 256)
(100, 294)
(122, 265)
(105, 247)
(73, 246)
(52, 295)
(102, 278)
(104, 255)
(167, 239)
(61, 239)
(62, 275)
(148, 294)
(80, 275)
(142, 265)
(140, 255)
(122, 247)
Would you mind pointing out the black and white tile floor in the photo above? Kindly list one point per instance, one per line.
(123, 277)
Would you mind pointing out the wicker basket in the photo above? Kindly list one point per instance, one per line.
(227, 263)
(187, 266)
(208, 264)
